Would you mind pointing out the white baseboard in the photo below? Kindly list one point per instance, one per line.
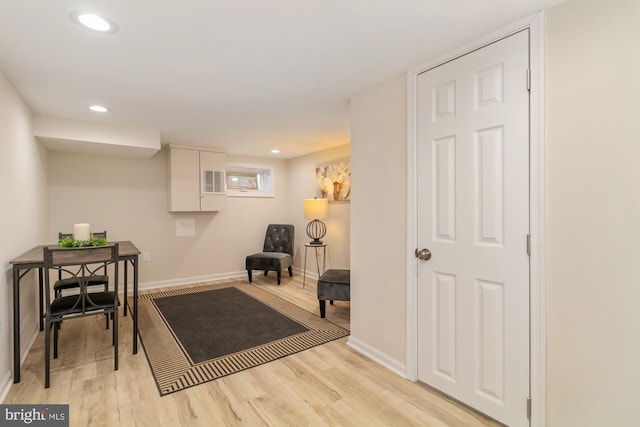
(311, 274)
(221, 276)
(187, 280)
(378, 357)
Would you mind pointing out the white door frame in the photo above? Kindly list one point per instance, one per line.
(537, 206)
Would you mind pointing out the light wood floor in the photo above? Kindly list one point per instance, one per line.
(329, 385)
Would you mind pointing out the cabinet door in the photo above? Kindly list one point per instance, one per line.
(213, 162)
(184, 180)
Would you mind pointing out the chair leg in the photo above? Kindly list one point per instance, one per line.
(331, 302)
(115, 340)
(290, 271)
(266, 272)
(249, 274)
(57, 294)
(106, 317)
(322, 308)
(56, 328)
(47, 351)
(279, 276)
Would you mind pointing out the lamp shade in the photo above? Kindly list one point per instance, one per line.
(315, 208)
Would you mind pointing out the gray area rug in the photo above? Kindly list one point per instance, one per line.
(198, 334)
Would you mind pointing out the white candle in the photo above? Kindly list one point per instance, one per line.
(81, 231)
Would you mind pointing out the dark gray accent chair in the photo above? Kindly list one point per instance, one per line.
(333, 285)
(277, 252)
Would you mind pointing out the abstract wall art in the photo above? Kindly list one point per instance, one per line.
(334, 180)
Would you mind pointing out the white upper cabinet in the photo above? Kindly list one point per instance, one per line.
(196, 180)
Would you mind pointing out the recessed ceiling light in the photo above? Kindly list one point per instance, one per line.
(275, 151)
(98, 108)
(93, 21)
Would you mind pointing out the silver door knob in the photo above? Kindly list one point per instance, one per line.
(423, 254)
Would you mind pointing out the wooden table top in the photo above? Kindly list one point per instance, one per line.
(36, 255)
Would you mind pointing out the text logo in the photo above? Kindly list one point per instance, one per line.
(34, 415)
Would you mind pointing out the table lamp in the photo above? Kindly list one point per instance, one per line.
(316, 209)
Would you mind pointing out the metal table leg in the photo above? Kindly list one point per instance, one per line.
(16, 324)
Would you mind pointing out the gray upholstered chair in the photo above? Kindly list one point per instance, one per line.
(333, 285)
(277, 252)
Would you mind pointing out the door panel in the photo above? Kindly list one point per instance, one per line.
(444, 196)
(491, 339)
(473, 215)
(488, 147)
(445, 326)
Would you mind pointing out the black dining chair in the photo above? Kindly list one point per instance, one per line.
(71, 282)
(277, 252)
(79, 264)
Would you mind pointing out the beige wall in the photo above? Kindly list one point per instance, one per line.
(128, 198)
(302, 185)
(24, 211)
(593, 110)
(379, 228)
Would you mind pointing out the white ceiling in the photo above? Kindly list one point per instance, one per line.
(243, 75)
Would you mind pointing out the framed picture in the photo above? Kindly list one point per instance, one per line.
(333, 180)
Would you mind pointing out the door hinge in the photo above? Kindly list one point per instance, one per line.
(529, 244)
(529, 408)
(528, 79)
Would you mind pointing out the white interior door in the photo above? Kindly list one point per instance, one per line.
(473, 217)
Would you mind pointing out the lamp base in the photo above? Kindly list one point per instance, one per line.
(316, 231)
